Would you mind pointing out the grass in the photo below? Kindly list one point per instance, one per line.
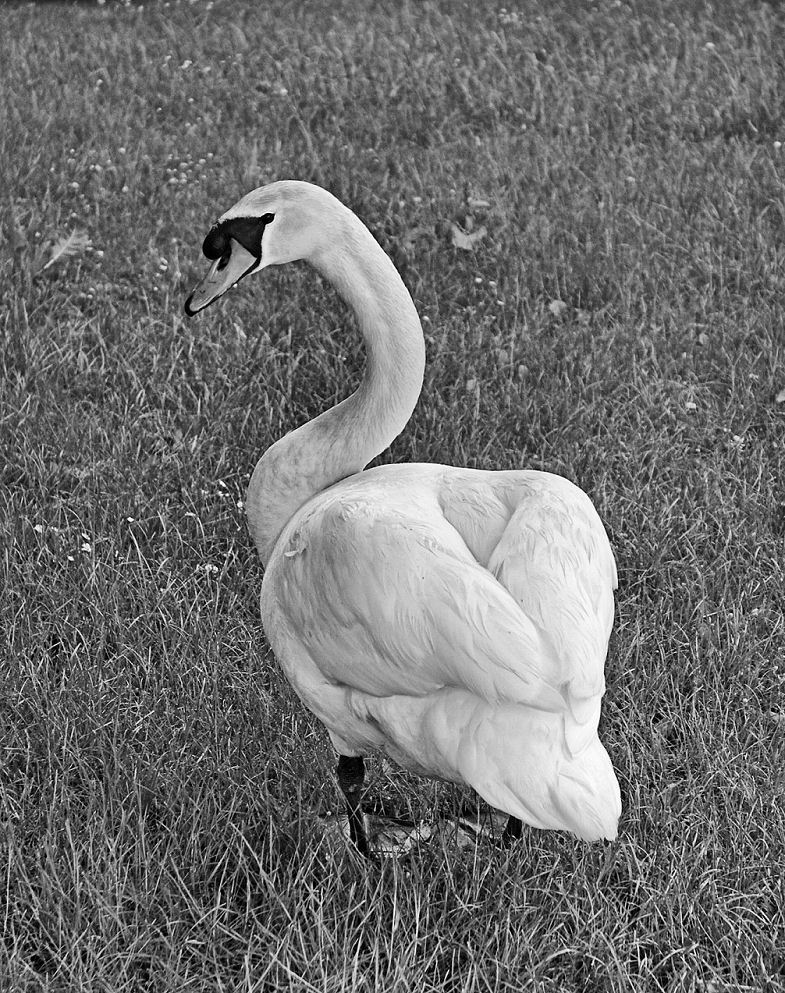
(621, 322)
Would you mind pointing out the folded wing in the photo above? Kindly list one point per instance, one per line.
(387, 602)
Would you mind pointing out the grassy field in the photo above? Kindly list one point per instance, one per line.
(620, 322)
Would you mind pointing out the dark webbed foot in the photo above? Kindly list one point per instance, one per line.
(351, 774)
(512, 831)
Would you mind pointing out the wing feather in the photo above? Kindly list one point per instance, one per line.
(555, 559)
(553, 556)
(389, 602)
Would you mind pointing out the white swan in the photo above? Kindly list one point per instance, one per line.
(455, 619)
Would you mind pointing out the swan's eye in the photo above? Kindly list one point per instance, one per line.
(267, 218)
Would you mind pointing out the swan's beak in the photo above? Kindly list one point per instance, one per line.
(223, 274)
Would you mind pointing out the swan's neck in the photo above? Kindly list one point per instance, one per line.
(344, 439)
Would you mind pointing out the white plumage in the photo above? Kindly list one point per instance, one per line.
(455, 619)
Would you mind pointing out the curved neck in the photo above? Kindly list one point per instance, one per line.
(344, 439)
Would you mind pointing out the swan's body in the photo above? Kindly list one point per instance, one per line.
(455, 619)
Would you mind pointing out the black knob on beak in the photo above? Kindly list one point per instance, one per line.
(216, 243)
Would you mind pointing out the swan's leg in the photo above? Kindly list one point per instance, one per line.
(351, 773)
(513, 829)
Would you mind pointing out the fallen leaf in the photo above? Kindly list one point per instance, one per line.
(780, 397)
(74, 243)
(464, 241)
(477, 203)
(557, 307)
(18, 239)
(413, 234)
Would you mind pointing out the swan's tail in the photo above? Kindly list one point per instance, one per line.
(516, 757)
(586, 795)
(521, 764)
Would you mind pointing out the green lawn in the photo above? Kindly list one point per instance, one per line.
(621, 322)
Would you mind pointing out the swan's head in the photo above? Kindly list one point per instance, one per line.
(279, 223)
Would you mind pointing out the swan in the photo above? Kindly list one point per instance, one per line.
(454, 619)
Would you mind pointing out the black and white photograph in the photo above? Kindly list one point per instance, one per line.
(392, 496)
